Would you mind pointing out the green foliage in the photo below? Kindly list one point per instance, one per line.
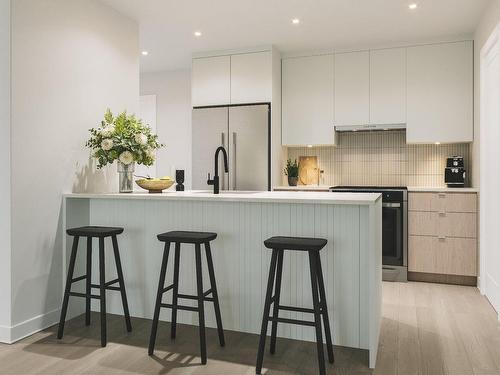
(292, 168)
(127, 133)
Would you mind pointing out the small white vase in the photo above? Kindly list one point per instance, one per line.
(126, 177)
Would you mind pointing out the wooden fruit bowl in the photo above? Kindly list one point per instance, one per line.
(154, 185)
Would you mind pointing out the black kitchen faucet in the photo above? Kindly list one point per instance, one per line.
(215, 180)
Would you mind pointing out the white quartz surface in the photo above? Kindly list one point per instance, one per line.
(244, 196)
(303, 187)
(443, 189)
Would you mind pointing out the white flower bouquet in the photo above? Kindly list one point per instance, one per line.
(124, 138)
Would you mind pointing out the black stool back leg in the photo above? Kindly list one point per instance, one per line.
(122, 283)
(201, 308)
(67, 289)
(102, 290)
(159, 294)
(88, 281)
(175, 291)
(277, 293)
(215, 295)
(317, 311)
(324, 309)
(267, 308)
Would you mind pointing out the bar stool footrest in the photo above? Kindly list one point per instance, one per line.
(75, 294)
(296, 309)
(76, 279)
(292, 321)
(179, 307)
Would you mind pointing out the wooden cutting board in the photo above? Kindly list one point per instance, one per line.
(308, 170)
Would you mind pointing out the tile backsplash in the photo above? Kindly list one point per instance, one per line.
(383, 159)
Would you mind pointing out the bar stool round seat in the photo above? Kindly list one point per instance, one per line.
(202, 296)
(94, 231)
(187, 237)
(319, 310)
(101, 233)
(295, 243)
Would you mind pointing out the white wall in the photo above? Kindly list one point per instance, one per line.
(70, 60)
(173, 122)
(489, 20)
(5, 249)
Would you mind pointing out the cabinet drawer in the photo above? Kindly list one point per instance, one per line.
(448, 256)
(449, 224)
(442, 202)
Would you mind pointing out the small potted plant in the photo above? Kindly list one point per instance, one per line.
(126, 139)
(292, 171)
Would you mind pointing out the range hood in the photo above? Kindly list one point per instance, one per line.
(369, 127)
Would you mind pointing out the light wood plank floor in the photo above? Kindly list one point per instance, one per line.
(427, 329)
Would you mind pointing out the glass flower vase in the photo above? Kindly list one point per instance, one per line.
(126, 177)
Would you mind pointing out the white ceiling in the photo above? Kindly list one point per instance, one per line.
(167, 26)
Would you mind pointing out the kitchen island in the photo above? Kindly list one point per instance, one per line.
(352, 260)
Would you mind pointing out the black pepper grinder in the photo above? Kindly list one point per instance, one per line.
(179, 178)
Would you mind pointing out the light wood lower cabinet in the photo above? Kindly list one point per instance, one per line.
(442, 233)
(449, 256)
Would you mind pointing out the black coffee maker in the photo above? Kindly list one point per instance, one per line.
(454, 173)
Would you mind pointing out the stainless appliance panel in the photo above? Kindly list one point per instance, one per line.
(248, 147)
(209, 131)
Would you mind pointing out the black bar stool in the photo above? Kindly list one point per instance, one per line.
(320, 309)
(196, 238)
(91, 232)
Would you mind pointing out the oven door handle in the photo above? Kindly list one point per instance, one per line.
(391, 205)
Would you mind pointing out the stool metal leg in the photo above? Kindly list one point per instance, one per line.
(67, 290)
(88, 281)
(123, 293)
(201, 309)
(267, 308)
(317, 312)
(102, 290)
(324, 308)
(159, 295)
(215, 295)
(175, 291)
(276, 302)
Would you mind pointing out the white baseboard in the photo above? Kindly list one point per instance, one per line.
(10, 335)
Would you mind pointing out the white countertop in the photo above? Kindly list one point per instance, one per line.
(303, 187)
(443, 189)
(244, 196)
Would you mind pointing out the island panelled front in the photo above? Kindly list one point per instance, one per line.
(351, 261)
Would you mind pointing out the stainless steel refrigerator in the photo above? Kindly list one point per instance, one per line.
(244, 131)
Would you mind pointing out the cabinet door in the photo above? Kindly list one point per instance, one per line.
(352, 88)
(251, 78)
(388, 86)
(307, 97)
(210, 81)
(439, 93)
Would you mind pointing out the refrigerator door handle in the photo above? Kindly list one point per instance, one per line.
(235, 186)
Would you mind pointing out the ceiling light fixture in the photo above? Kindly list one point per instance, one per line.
(145, 53)
(197, 34)
(310, 146)
(437, 143)
(412, 6)
(295, 21)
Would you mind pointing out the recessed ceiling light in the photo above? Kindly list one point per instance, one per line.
(145, 53)
(295, 21)
(412, 6)
(437, 143)
(197, 34)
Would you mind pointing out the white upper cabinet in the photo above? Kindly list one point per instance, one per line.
(307, 97)
(251, 77)
(440, 93)
(388, 86)
(210, 81)
(352, 88)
